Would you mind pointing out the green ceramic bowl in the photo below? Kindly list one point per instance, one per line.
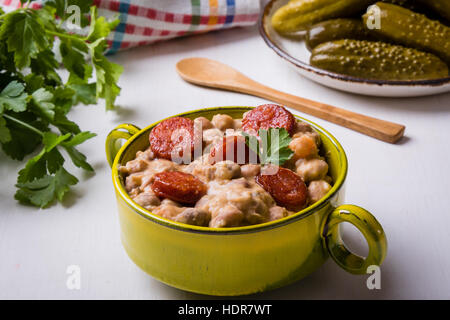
(242, 260)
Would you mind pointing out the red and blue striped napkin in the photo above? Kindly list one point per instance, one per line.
(147, 21)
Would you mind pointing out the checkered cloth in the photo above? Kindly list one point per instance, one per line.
(144, 22)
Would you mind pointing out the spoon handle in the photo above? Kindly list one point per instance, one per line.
(376, 128)
(210, 73)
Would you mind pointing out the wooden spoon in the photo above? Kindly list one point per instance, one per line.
(210, 73)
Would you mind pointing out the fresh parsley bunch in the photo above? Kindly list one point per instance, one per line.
(35, 100)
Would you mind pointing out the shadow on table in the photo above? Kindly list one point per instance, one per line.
(74, 195)
(187, 44)
(329, 282)
(435, 103)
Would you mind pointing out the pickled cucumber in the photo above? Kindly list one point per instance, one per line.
(397, 2)
(336, 29)
(297, 15)
(426, 7)
(441, 7)
(377, 60)
(413, 5)
(405, 27)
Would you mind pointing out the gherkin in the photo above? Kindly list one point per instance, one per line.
(413, 5)
(377, 60)
(397, 2)
(336, 29)
(441, 7)
(405, 27)
(297, 15)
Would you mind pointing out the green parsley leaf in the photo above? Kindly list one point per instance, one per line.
(24, 36)
(74, 60)
(46, 65)
(272, 146)
(84, 93)
(5, 134)
(100, 27)
(43, 101)
(33, 82)
(107, 73)
(77, 157)
(23, 141)
(65, 125)
(63, 7)
(13, 97)
(44, 191)
(54, 160)
(51, 140)
(276, 145)
(63, 100)
(35, 168)
(48, 160)
(35, 100)
(79, 139)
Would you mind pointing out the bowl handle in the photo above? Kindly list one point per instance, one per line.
(113, 143)
(368, 226)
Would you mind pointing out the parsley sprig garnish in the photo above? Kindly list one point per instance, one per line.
(35, 100)
(272, 146)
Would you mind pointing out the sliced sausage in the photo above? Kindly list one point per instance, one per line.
(178, 186)
(269, 116)
(232, 148)
(286, 188)
(172, 138)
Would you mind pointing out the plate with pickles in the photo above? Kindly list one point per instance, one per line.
(389, 48)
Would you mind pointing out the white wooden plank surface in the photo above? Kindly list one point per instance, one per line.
(406, 185)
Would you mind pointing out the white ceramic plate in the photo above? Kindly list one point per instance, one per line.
(294, 51)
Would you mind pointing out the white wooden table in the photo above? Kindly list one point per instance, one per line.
(406, 186)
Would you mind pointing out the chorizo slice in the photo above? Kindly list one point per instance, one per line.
(232, 148)
(173, 138)
(286, 188)
(269, 116)
(178, 186)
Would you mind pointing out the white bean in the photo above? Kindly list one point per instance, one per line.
(317, 190)
(223, 121)
(311, 169)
